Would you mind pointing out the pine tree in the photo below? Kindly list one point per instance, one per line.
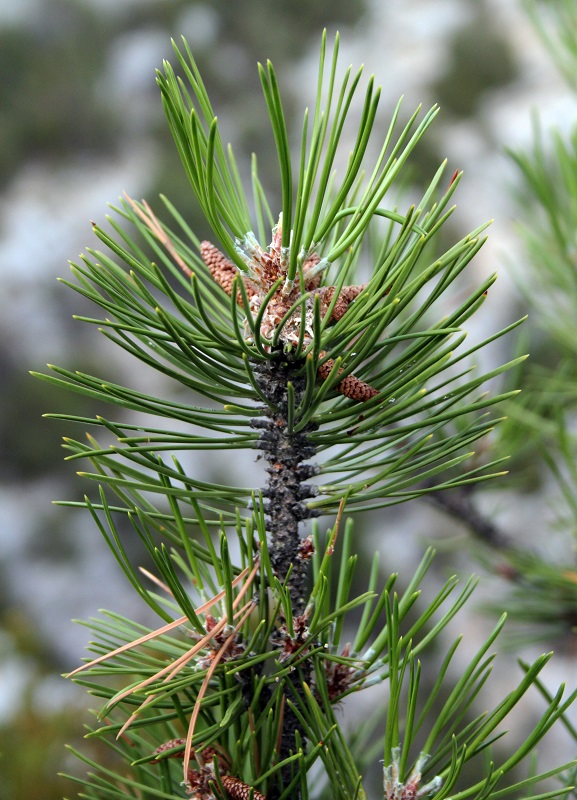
(325, 338)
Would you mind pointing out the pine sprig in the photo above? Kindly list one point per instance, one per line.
(328, 343)
(397, 653)
(188, 346)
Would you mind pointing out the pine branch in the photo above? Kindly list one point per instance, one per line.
(460, 504)
(355, 394)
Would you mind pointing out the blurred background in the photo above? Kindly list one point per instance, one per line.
(80, 123)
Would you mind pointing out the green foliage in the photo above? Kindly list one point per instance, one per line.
(549, 173)
(542, 595)
(556, 22)
(388, 648)
(397, 334)
(240, 682)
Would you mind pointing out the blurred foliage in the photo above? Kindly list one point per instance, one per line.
(556, 22)
(49, 106)
(480, 59)
(34, 743)
(52, 101)
(21, 408)
(541, 431)
(33, 737)
(31, 753)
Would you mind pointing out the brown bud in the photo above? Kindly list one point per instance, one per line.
(239, 790)
(351, 387)
(346, 296)
(222, 269)
(170, 745)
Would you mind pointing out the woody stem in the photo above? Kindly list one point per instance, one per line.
(285, 492)
(285, 496)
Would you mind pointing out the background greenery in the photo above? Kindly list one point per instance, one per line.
(79, 109)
